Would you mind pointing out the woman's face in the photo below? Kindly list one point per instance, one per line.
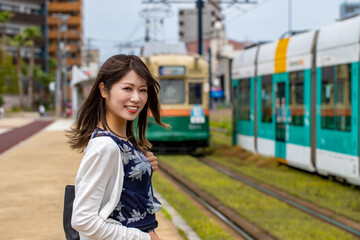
(126, 98)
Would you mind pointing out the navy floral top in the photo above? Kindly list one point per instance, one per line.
(137, 203)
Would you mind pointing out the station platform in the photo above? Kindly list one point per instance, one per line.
(33, 175)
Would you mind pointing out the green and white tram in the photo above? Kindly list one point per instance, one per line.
(298, 99)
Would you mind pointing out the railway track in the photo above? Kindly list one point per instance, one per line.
(245, 229)
(305, 206)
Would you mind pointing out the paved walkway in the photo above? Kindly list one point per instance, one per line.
(33, 175)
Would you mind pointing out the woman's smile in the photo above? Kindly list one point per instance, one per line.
(132, 109)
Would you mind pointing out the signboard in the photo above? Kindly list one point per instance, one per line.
(217, 93)
(172, 70)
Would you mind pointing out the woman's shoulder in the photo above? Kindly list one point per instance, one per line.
(102, 143)
(101, 151)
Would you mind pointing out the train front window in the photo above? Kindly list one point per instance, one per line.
(244, 99)
(172, 91)
(195, 93)
(296, 103)
(266, 98)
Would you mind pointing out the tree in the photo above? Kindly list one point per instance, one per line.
(44, 79)
(31, 34)
(18, 41)
(4, 18)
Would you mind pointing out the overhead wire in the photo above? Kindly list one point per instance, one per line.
(247, 11)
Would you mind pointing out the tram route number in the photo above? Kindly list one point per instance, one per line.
(194, 126)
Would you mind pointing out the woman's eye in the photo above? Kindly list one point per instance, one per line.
(127, 89)
(143, 90)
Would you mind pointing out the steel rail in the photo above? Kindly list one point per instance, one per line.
(269, 190)
(242, 227)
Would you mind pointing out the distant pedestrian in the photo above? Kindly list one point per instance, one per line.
(113, 191)
(42, 110)
(2, 112)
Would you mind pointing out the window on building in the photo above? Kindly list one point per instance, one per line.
(244, 99)
(296, 102)
(172, 91)
(266, 98)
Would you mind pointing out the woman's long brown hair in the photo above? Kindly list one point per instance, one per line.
(93, 110)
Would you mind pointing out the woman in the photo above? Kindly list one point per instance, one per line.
(113, 191)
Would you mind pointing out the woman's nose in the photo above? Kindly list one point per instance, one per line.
(135, 96)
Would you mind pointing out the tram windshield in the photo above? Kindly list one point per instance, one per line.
(172, 91)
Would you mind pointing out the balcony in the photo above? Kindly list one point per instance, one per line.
(62, 7)
(53, 34)
(31, 19)
(72, 48)
(73, 21)
(73, 61)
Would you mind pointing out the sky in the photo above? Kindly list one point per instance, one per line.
(109, 23)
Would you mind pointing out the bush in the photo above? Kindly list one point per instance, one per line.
(2, 102)
(15, 109)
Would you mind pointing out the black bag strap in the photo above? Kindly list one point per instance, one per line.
(70, 233)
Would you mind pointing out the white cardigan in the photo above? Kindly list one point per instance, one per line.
(98, 187)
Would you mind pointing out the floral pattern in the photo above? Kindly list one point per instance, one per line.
(137, 204)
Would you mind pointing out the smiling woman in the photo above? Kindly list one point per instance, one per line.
(113, 190)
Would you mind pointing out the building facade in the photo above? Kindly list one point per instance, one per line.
(27, 13)
(66, 30)
(188, 18)
(349, 9)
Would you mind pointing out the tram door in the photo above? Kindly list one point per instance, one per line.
(280, 120)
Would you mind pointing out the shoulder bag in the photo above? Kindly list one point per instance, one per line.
(70, 233)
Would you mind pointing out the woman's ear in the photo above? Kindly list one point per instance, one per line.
(102, 90)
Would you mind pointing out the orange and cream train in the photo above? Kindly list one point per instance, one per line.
(184, 98)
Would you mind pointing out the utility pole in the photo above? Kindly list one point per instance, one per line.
(199, 5)
(62, 25)
(289, 20)
(147, 27)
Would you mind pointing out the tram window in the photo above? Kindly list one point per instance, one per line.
(327, 98)
(336, 98)
(296, 104)
(195, 93)
(266, 98)
(172, 91)
(343, 97)
(244, 99)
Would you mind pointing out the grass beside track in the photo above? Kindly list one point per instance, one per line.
(281, 220)
(206, 228)
(341, 199)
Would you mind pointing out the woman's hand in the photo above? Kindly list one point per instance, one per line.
(153, 160)
(153, 236)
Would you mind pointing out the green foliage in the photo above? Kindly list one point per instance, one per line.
(43, 77)
(166, 213)
(272, 215)
(182, 234)
(2, 102)
(15, 109)
(32, 33)
(205, 227)
(218, 138)
(5, 16)
(8, 76)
